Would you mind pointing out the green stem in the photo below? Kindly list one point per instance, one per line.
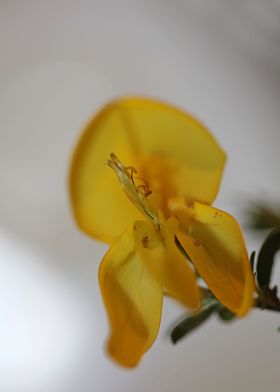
(259, 302)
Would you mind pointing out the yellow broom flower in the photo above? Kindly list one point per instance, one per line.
(173, 173)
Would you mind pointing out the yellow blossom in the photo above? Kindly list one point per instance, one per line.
(169, 167)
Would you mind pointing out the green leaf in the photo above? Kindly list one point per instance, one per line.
(225, 314)
(194, 320)
(262, 216)
(268, 299)
(252, 260)
(266, 257)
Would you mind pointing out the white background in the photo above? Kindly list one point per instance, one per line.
(60, 60)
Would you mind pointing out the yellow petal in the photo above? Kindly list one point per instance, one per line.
(213, 240)
(166, 263)
(148, 135)
(99, 204)
(133, 299)
(168, 137)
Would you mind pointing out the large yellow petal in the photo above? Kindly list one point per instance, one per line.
(99, 204)
(170, 147)
(166, 263)
(175, 141)
(133, 299)
(213, 240)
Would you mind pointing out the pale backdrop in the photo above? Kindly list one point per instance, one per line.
(60, 60)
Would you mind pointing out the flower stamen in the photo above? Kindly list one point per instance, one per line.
(137, 193)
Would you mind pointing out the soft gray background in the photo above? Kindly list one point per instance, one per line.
(61, 59)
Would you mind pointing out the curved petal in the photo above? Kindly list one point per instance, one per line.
(213, 240)
(166, 263)
(98, 202)
(153, 137)
(173, 140)
(133, 299)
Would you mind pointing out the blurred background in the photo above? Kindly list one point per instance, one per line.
(61, 60)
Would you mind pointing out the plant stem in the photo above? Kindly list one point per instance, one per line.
(259, 303)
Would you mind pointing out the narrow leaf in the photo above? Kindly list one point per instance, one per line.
(194, 320)
(262, 216)
(225, 314)
(252, 260)
(266, 257)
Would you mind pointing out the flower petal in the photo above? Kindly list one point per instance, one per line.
(133, 299)
(193, 158)
(99, 204)
(140, 130)
(166, 263)
(213, 240)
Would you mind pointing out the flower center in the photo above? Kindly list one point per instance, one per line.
(160, 172)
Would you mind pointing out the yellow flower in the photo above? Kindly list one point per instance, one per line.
(173, 175)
